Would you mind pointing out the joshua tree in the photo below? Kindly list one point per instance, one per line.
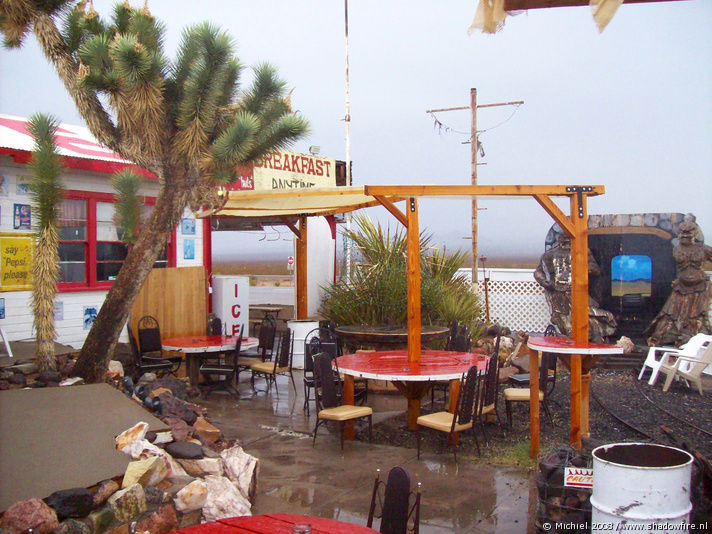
(46, 192)
(186, 121)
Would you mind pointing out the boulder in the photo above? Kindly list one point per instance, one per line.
(179, 428)
(184, 449)
(126, 504)
(162, 521)
(191, 497)
(74, 502)
(242, 469)
(158, 392)
(205, 431)
(147, 378)
(154, 496)
(30, 514)
(101, 520)
(115, 370)
(190, 519)
(175, 385)
(147, 472)
(105, 490)
(202, 466)
(223, 500)
(172, 406)
(135, 433)
(73, 526)
(143, 449)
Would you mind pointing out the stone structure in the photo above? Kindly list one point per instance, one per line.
(686, 311)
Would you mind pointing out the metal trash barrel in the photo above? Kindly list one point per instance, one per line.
(640, 483)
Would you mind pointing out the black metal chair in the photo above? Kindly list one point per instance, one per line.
(265, 347)
(149, 346)
(396, 510)
(459, 340)
(219, 372)
(328, 406)
(282, 364)
(468, 404)
(490, 392)
(215, 327)
(159, 366)
(546, 367)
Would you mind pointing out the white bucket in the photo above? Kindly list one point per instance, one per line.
(300, 328)
(640, 484)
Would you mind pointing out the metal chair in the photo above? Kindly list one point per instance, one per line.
(224, 368)
(159, 366)
(490, 392)
(327, 404)
(265, 346)
(459, 340)
(546, 367)
(469, 403)
(149, 345)
(215, 326)
(396, 510)
(282, 364)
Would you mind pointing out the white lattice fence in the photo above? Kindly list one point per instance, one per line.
(515, 299)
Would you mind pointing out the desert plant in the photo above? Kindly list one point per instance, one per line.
(46, 191)
(376, 291)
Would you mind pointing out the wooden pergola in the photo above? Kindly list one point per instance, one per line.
(304, 203)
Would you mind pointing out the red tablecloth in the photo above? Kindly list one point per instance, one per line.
(275, 524)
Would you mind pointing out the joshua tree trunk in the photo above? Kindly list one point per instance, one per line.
(101, 341)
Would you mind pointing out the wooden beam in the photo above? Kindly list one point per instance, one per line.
(479, 190)
(553, 210)
(533, 403)
(293, 228)
(398, 214)
(519, 5)
(302, 302)
(413, 273)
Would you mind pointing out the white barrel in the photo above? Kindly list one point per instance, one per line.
(640, 484)
(300, 328)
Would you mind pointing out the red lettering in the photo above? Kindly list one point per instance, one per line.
(311, 167)
(235, 290)
(236, 311)
(305, 164)
(285, 164)
(276, 161)
(295, 163)
(328, 164)
(319, 168)
(236, 330)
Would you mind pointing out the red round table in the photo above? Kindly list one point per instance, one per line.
(196, 347)
(275, 524)
(412, 379)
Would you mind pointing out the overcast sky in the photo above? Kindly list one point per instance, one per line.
(629, 109)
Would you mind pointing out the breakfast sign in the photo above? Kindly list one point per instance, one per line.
(16, 251)
(286, 170)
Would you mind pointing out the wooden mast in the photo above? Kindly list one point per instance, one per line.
(413, 270)
(302, 302)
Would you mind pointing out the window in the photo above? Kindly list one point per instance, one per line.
(631, 275)
(91, 251)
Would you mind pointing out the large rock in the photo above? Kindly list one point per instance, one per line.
(115, 370)
(126, 504)
(180, 429)
(147, 472)
(177, 386)
(242, 469)
(223, 500)
(154, 496)
(135, 433)
(172, 406)
(184, 449)
(191, 497)
(101, 520)
(74, 502)
(162, 521)
(73, 526)
(205, 431)
(143, 449)
(202, 466)
(105, 490)
(30, 514)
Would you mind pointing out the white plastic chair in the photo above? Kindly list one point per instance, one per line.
(6, 341)
(691, 372)
(688, 350)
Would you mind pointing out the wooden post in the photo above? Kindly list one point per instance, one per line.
(533, 403)
(302, 302)
(585, 390)
(579, 309)
(413, 273)
(349, 431)
(473, 152)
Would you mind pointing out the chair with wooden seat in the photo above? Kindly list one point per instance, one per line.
(150, 348)
(316, 341)
(281, 364)
(469, 402)
(395, 510)
(219, 371)
(490, 392)
(459, 340)
(685, 368)
(266, 336)
(511, 395)
(328, 406)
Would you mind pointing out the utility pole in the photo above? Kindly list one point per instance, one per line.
(474, 149)
(347, 122)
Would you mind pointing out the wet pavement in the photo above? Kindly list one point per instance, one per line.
(324, 481)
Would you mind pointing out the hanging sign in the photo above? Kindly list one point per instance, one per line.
(16, 251)
(286, 170)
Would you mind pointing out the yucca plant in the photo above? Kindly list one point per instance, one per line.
(127, 205)
(46, 192)
(190, 121)
(376, 292)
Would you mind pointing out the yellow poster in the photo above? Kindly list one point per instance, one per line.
(16, 250)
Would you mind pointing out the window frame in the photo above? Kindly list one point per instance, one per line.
(92, 284)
